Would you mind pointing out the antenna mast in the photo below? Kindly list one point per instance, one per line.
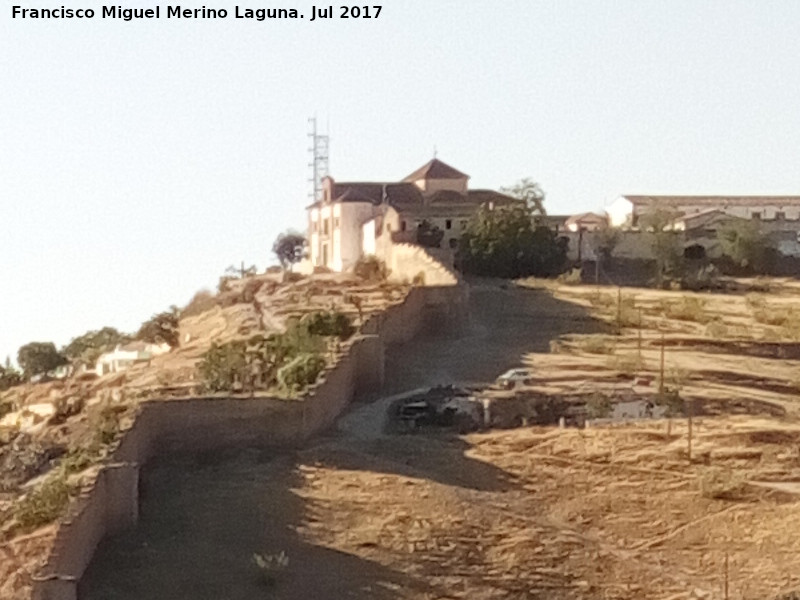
(319, 159)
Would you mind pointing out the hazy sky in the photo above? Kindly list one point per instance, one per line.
(139, 159)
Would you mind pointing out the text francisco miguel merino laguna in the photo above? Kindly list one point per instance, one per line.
(179, 12)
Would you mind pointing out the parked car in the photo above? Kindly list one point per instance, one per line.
(513, 378)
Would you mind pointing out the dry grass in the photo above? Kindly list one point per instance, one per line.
(687, 308)
(627, 364)
(596, 344)
(720, 483)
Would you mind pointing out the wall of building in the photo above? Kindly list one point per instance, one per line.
(435, 185)
(353, 217)
(207, 424)
(408, 261)
(619, 212)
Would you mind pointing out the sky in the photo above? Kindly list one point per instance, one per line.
(140, 159)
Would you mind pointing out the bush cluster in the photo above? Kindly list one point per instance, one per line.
(300, 372)
(45, 503)
(371, 268)
(596, 344)
(599, 406)
(687, 308)
(722, 484)
(291, 360)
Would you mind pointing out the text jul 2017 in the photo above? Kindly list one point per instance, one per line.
(178, 12)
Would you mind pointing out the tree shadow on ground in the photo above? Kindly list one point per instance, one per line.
(202, 521)
(507, 322)
(438, 456)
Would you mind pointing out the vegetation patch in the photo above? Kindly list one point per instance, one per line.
(371, 268)
(45, 503)
(722, 484)
(688, 308)
(300, 372)
(596, 344)
(290, 361)
(716, 328)
(599, 406)
(627, 364)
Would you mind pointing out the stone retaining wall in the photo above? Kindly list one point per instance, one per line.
(207, 424)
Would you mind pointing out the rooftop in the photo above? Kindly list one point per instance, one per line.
(435, 169)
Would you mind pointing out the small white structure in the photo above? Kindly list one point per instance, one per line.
(124, 356)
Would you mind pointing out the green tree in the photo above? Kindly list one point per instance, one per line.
(531, 192)
(664, 243)
(161, 328)
(38, 358)
(290, 248)
(504, 242)
(9, 376)
(746, 244)
(86, 348)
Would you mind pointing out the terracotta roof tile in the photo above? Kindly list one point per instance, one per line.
(435, 169)
(358, 192)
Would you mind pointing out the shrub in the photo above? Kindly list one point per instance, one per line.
(688, 308)
(161, 328)
(76, 460)
(329, 324)
(6, 406)
(716, 328)
(599, 406)
(721, 484)
(596, 344)
(755, 301)
(601, 300)
(43, 504)
(371, 268)
(671, 401)
(106, 423)
(66, 407)
(627, 314)
(772, 315)
(256, 364)
(627, 364)
(300, 372)
(223, 365)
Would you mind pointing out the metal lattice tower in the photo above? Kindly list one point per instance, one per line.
(319, 159)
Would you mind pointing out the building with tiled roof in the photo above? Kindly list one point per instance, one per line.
(626, 210)
(357, 218)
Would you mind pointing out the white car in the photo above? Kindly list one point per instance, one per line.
(511, 379)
